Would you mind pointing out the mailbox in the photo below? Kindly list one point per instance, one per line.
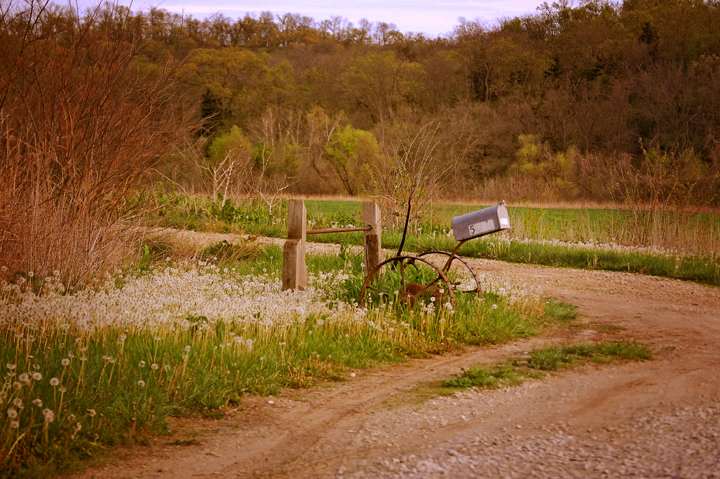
(481, 222)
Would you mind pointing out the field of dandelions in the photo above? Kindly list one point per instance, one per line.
(88, 369)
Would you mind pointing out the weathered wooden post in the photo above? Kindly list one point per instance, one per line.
(371, 240)
(295, 274)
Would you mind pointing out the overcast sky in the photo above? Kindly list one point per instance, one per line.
(433, 17)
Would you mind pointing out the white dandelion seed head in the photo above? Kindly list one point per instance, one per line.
(54, 382)
(141, 383)
(18, 402)
(154, 367)
(24, 378)
(14, 424)
(142, 364)
(37, 376)
(12, 413)
(38, 402)
(65, 362)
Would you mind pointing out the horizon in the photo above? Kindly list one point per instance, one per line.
(431, 17)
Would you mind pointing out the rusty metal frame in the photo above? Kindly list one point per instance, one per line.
(401, 260)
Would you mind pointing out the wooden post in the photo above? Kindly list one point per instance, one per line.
(371, 241)
(295, 274)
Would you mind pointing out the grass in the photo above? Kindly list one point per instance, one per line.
(88, 371)
(514, 371)
(537, 237)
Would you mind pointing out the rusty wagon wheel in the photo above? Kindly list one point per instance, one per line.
(447, 267)
(406, 280)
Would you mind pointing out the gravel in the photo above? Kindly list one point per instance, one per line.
(673, 442)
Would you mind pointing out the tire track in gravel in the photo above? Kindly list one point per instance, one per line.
(372, 426)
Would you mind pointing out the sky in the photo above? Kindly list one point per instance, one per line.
(432, 17)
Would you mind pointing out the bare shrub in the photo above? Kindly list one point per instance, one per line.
(82, 120)
(410, 164)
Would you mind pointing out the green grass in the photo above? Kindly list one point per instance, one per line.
(514, 371)
(701, 231)
(118, 386)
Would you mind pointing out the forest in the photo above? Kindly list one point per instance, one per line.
(570, 103)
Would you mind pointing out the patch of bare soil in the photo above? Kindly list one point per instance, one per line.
(655, 419)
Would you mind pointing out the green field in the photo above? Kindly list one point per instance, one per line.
(677, 245)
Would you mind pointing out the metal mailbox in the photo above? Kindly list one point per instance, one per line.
(481, 222)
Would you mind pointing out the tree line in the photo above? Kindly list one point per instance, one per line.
(575, 101)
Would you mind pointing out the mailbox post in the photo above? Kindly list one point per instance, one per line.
(295, 273)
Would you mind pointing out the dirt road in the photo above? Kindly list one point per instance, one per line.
(655, 419)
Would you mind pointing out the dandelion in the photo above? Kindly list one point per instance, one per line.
(14, 424)
(141, 383)
(71, 355)
(142, 364)
(62, 389)
(154, 367)
(18, 402)
(24, 378)
(12, 413)
(37, 376)
(166, 367)
(49, 415)
(54, 382)
(494, 306)
(187, 349)
(65, 362)
(30, 274)
(10, 366)
(37, 402)
(91, 412)
(17, 385)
